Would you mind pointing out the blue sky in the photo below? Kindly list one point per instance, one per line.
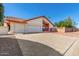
(56, 11)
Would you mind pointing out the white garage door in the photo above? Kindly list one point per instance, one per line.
(19, 28)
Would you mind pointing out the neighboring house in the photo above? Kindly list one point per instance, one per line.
(37, 24)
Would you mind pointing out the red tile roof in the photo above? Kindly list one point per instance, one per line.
(19, 20)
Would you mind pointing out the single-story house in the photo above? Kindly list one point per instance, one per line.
(37, 24)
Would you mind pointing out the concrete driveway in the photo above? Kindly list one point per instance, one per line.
(9, 47)
(31, 48)
(39, 44)
(60, 43)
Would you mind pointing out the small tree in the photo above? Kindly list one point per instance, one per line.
(65, 23)
(1, 14)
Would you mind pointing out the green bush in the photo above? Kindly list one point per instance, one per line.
(65, 23)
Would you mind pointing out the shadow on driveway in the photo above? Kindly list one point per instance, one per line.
(30, 48)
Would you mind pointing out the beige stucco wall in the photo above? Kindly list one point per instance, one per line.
(60, 29)
(63, 29)
(34, 25)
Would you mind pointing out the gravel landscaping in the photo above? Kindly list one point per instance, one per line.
(9, 47)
